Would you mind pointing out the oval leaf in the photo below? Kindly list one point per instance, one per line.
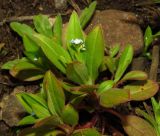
(73, 33)
(57, 29)
(143, 91)
(55, 94)
(104, 86)
(87, 14)
(77, 72)
(94, 52)
(54, 52)
(33, 104)
(124, 61)
(113, 97)
(42, 25)
(26, 71)
(135, 75)
(148, 38)
(70, 115)
(10, 64)
(28, 120)
(21, 29)
(136, 126)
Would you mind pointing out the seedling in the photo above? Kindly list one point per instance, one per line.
(149, 37)
(48, 111)
(153, 119)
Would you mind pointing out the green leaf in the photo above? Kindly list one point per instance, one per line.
(28, 120)
(156, 35)
(40, 111)
(94, 52)
(10, 64)
(148, 117)
(55, 53)
(113, 97)
(42, 25)
(55, 94)
(27, 107)
(74, 32)
(44, 127)
(114, 50)
(30, 46)
(57, 29)
(136, 126)
(110, 62)
(135, 75)
(148, 38)
(86, 132)
(143, 91)
(21, 29)
(156, 109)
(70, 115)
(78, 99)
(26, 71)
(34, 104)
(51, 121)
(125, 60)
(87, 14)
(77, 72)
(24, 30)
(104, 86)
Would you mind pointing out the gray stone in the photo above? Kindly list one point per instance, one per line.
(139, 63)
(119, 27)
(12, 110)
(60, 4)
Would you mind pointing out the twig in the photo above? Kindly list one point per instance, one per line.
(26, 18)
(74, 5)
(155, 63)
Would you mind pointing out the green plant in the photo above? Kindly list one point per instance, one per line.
(149, 37)
(48, 111)
(46, 48)
(154, 120)
(49, 105)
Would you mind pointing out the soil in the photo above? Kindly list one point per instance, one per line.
(12, 48)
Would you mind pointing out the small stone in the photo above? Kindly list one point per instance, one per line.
(119, 27)
(12, 110)
(139, 63)
(60, 4)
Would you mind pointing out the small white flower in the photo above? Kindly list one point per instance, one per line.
(78, 44)
(35, 59)
(77, 41)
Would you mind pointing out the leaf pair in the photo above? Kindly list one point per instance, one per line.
(51, 103)
(36, 63)
(86, 72)
(24, 69)
(115, 96)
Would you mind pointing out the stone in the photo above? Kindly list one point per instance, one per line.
(118, 27)
(12, 110)
(60, 4)
(139, 63)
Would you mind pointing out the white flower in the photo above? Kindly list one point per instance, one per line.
(77, 41)
(78, 44)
